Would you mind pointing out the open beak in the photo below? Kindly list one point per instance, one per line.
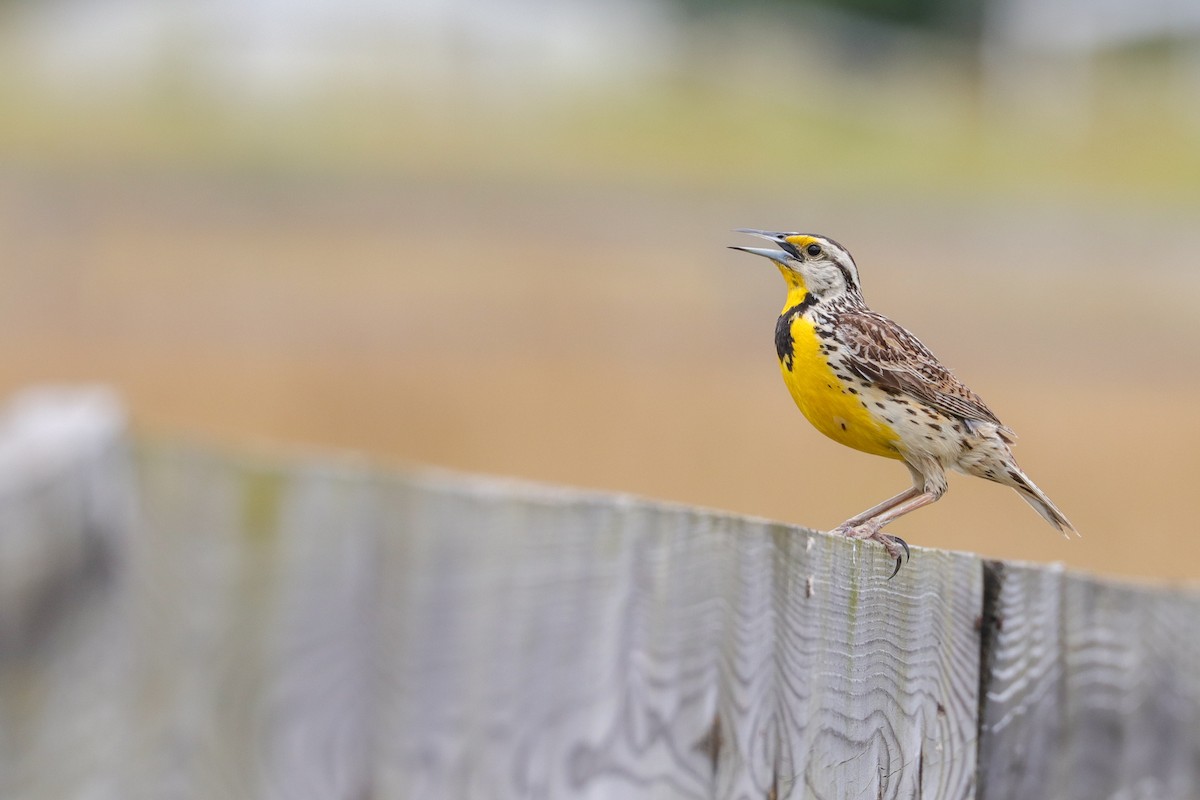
(766, 252)
(778, 256)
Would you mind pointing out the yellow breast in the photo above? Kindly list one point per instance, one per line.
(826, 401)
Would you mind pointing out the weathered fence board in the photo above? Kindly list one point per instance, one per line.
(258, 634)
(66, 513)
(583, 647)
(1092, 689)
(195, 624)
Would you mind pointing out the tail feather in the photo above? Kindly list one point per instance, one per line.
(1041, 503)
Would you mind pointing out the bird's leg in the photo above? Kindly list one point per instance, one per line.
(859, 519)
(922, 499)
(861, 526)
(928, 486)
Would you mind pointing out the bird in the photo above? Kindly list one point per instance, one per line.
(866, 382)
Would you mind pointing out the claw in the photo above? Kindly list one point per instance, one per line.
(899, 560)
(896, 570)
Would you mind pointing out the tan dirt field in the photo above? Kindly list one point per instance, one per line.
(602, 337)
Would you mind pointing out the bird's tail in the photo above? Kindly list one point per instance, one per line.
(1042, 504)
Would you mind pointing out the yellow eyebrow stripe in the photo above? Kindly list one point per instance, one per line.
(801, 241)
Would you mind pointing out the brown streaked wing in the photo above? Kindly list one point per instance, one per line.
(881, 351)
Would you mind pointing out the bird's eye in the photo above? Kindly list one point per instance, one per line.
(813, 250)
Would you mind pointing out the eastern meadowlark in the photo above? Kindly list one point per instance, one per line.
(868, 383)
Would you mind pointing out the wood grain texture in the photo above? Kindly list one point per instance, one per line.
(1093, 691)
(554, 645)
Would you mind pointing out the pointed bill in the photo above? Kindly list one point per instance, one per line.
(773, 235)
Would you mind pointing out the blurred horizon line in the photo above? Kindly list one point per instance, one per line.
(591, 91)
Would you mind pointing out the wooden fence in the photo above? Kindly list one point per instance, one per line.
(183, 623)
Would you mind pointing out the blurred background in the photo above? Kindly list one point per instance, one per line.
(490, 236)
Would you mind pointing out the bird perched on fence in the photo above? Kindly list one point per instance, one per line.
(868, 383)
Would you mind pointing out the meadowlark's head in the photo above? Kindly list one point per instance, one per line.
(817, 264)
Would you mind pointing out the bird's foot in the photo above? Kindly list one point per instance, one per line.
(896, 547)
